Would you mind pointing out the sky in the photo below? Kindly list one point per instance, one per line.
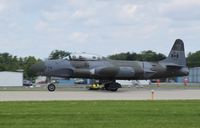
(104, 27)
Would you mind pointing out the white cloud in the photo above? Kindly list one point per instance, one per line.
(81, 14)
(92, 22)
(55, 15)
(185, 10)
(2, 7)
(47, 27)
(41, 25)
(128, 11)
(5, 5)
(78, 37)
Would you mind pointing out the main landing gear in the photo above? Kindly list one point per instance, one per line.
(113, 86)
(109, 85)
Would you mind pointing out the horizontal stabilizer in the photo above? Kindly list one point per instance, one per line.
(174, 66)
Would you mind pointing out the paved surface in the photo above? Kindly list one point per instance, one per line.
(98, 95)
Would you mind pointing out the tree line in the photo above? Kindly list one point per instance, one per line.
(193, 59)
(143, 56)
(9, 62)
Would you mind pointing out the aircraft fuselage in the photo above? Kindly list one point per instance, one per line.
(110, 69)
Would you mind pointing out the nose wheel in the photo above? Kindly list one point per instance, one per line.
(51, 87)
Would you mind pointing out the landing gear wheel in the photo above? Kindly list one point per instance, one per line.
(106, 86)
(112, 86)
(114, 89)
(51, 87)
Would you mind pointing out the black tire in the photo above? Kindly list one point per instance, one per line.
(114, 89)
(112, 86)
(51, 87)
(106, 87)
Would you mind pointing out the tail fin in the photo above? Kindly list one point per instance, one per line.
(177, 54)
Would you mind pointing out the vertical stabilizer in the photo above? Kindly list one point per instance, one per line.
(177, 54)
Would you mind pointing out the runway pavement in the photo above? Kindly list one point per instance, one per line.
(99, 95)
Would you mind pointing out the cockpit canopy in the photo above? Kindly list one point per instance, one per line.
(84, 57)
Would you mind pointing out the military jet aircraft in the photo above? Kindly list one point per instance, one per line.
(108, 71)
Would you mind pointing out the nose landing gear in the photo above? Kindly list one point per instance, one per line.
(51, 87)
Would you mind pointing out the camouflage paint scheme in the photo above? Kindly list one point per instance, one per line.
(106, 69)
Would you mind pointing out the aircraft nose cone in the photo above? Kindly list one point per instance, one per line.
(38, 68)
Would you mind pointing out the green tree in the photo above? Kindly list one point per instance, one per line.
(193, 59)
(124, 56)
(28, 62)
(8, 62)
(150, 56)
(144, 55)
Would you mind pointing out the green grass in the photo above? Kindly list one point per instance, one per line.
(100, 114)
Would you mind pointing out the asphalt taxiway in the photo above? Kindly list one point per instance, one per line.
(182, 94)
